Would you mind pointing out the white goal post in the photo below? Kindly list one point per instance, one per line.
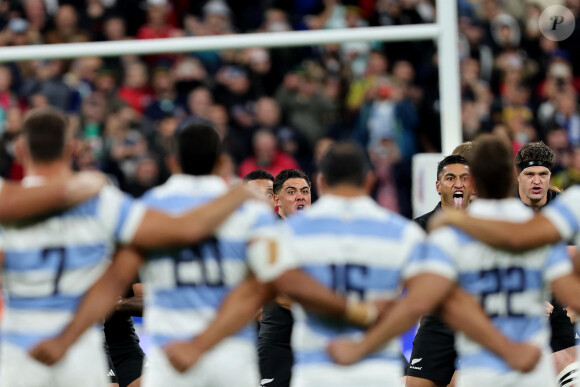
(444, 31)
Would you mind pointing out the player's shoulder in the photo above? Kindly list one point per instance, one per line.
(450, 236)
(180, 193)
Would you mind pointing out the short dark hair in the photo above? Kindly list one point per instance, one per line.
(198, 147)
(452, 159)
(258, 174)
(492, 167)
(45, 133)
(534, 154)
(344, 163)
(289, 174)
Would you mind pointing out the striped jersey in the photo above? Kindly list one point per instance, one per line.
(356, 248)
(511, 287)
(185, 286)
(51, 262)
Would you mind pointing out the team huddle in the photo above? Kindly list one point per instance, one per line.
(328, 275)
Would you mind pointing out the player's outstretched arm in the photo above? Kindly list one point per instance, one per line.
(537, 232)
(424, 293)
(566, 290)
(272, 261)
(18, 202)
(97, 303)
(237, 310)
(161, 230)
(462, 312)
(303, 289)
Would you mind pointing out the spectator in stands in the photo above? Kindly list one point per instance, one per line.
(66, 29)
(135, 90)
(267, 156)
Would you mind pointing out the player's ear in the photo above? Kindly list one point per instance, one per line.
(369, 182)
(172, 165)
(220, 162)
(20, 150)
(438, 187)
(321, 184)
(71, 148)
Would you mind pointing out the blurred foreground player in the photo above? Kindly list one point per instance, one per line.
(186, 286)
(510, 287)
(50, 262)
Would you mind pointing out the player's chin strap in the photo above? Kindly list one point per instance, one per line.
(569, 375)
(361, 313)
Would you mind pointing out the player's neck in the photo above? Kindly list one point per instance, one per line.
(347, 191)
(59, 168)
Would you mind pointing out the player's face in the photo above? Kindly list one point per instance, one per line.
(455, 186)
(533, 184)
(293, 196)
(265, 187)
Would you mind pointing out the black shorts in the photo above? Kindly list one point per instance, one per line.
(276, 360)
(128, 361)
(111, 374)
(563, 334)
(433, 355)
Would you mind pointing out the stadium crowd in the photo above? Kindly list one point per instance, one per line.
(278, 114)
(280, 108)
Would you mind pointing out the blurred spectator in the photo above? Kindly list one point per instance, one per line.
(158, 27)
(216, 17)
(307, 109)
(11, 129)
(135, 90)
(48, 81)
(266, 156)
(557, 140)
(227, 169)
(359, 89)
(199, 102)
(268, 116)
(571, 176)
(37, 15)
(165, 99)
(66, 29)
(7, 98)
(384, 155)
(566, 115)
(389, 115)
(146, 177)
(236, 94)
(124, 145)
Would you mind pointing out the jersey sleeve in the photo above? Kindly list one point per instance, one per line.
(432, 257)
(120, 214)
(270, 253)
(564, 213)
(558, 263)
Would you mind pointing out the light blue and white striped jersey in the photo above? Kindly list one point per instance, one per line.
(49, 264)
(511, 287)
(564, 213)
(357, 248)
(185, 286)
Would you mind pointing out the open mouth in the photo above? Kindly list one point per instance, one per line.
(458, 199)
(300, 207)
(537, 190)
